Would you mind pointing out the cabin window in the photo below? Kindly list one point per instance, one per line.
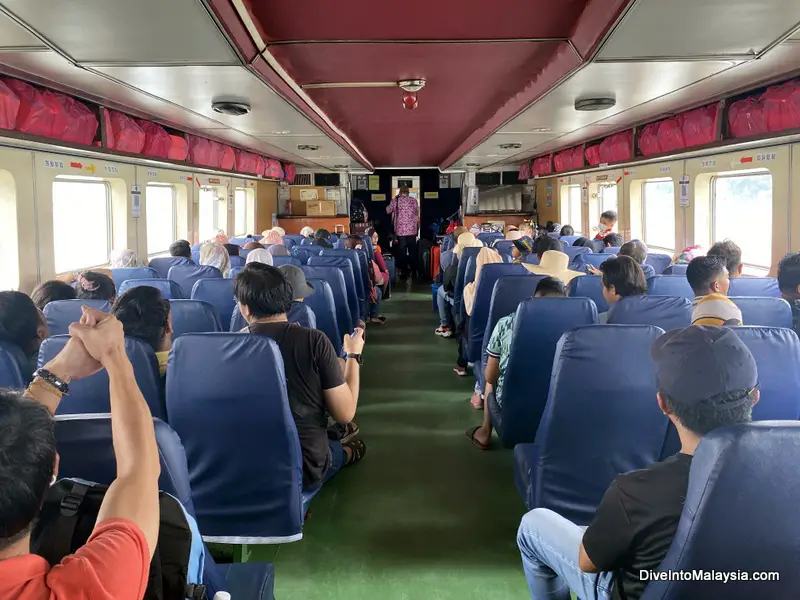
(244, 211)
(160, 205)
(658, 214)
(207, 214)
(571, 195)
(81, 224)
(607, 198)
(741, 210)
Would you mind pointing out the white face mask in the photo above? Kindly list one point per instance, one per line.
(599, 227)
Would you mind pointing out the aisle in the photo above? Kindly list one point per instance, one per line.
(425, 515)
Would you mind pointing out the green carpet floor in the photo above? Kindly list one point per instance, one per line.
(425, 515)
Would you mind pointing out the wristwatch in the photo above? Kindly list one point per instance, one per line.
(59, 384)
(356, 357)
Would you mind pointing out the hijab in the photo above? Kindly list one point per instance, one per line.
(261, 255)
(121, 259)
(466, 240)
(215, 255)
(485, 256)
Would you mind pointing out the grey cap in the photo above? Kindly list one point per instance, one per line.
(297, 279)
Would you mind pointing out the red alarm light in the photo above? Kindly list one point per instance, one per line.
(410, 101)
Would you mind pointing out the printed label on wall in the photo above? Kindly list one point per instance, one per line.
(53, 164)
(684, 193)
(136, 201)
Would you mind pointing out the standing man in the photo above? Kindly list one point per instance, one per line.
(405, 212)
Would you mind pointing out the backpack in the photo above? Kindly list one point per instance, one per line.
(69, 515)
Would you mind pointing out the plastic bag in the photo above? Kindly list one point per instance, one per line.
(273, 169)
(648, 140)
(291, 173)
(73, 121)
(699, 126)
(562, 160)
(246, 162)
(128, 136)
(261, 165)
(157, 142)
(109, 129)
(617, 147)
(36, 114)
(228, 160)
(204, 152)
(746, 117)
(782, 106)
(524, 172)
(543, 165)
(593, 155)
(670, 135)
(9, 107)
(178, 148)
(576, 158)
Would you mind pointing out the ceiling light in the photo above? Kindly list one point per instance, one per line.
(511, 146)
(592, 104)
(411, 85)
(473, 164)
(230, 108)
(280, 133)
(307, 147)
(493, 155)
(540, 130)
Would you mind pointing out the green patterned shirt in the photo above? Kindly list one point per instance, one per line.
(500, 348)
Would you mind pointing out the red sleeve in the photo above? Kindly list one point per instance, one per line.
(113, 565)
(381, 263)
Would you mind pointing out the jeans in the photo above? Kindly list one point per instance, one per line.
(549, 545)
(444, 307)
(337, 456)
(407, 254)
(375, 307)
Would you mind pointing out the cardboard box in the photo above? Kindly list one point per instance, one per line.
(321, 208)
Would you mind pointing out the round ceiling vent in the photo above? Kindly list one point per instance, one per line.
(511, 146)
(590, 104)
(411, 85)
(233, 109)
(308, 147)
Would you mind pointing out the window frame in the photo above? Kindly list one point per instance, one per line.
(247, 202)
(607, 185)
(577, 225)
(218, 199)
(109, 217)
(174, 215)
(671, 251)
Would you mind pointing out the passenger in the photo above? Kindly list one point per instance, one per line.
(181, 249)
(221, 238)
(51, 291)
(280, 231)
(708, 275)
(272, 236)
(252, 245)
(449, 269)
(583, 242)
(546, 244)
(622, 277)
(145, 314)
(732, 253)
(278, 250)
(716, 309)
(608, 220)
(115, 562)
(307, 232)
(499, 350)
(378, 258)
(92, 285)
(687, 255)
(405, 216)
(485, 256)
(550, 227)
(24, 326)
(215, 255)
(514, 234)
(233, 249)
(322, 238)
(449, 257)
(522, 248)
(707, 379)
(555, 264)
(301, 290)
(567, 230)
(637, 250)
(376, 281)
(613, 240)
(789, 284)
(260, 255)
(526, 229)
(122, 259)
(314, 379)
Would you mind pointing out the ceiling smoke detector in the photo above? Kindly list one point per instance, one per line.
(511, 146)
(230, 108)
(307, 147)
(411, 85)
(592, 104)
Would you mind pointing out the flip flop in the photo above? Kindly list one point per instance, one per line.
(471, 435)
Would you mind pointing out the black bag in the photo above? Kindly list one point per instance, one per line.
(69, 515)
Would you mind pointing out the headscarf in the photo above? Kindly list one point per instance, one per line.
(215, 255)
(307, 232)
(514, 234)
(278, 250)
(485, 257)
(466, 240)
(272, 237)
(261, 255)
(121, 259)
(281, 231)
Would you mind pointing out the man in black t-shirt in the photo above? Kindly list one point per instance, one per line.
(707, 379)
(315, 381)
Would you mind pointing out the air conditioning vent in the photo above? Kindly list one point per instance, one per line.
(487, 179)
(307, 147)
(511, 146)
(511, 178)
(303, 179)
(326, 179)
(233, 109)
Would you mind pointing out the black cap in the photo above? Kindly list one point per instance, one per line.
(297, 279)
(700, 362)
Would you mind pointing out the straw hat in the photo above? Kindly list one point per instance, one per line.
(555, 264)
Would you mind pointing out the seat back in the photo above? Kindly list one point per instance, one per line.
(574, 251)
(162, 264)
(738, 516)
(303, 253)
(295, 237)
(472, 268)
(219, 294)
(589, 286)
(764, 287)
(227, 400)
(324, 307)
(670, 285)
(659, 262)
(666, 312)
(306, 242)
(346, 267)
(611, 249)
(168, 288)
(531, 259)
(14, 370)
(235, 271)
(504, 247)
(60, 314)
(765, 312)
(483, 299)
(302, 314)
(91, 395)
(366, 241)
(570, 239)
(538, 327)
(123, 274)
(675, 270)
(489, 237)
(460, 282)
(237, 261)
(278, 261)
(193, 316)
(353, 257)
(187, 276)
(608, 401)
(583, 260)
(335, 279)
(448, 243)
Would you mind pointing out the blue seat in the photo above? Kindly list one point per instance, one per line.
(346, 267)
(538, 327)
(764, 287)
(15, 373)
(306, 242)
(60, 314)
(295, 237)
(237, 261)
(601, 419)
(765, 312)
(123, 274)
(303, 253)
(670, 285)
(611, 250)
(226, 399)
(676, 270)
(278, 261)
(472, 268)
(659, 262)
(195, 254)
(554, 235)
(739, 515)
(582, 261)
(193, 316)
(489, 237)
(235, 271)
(448, 243)
(570, 239)
(302, 314)
(589, 286)
(666, 312)
(238, 322)
(162, 264)
(324, 306)
(335, 279)
(504, 247)
(531, 259)
(86, 451)
(219, 294)
(91, 395)
(240, 241)
(483, 299)
(187, 276)
(168, 288)
(392, 267)
(366, 241)
(574, 251)
(361, 277)
(461, 280)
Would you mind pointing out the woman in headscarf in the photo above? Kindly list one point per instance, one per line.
(307, 232)
(273, 236)
(485, 257)
(221, 238)
(278, 250)
(252, 245)
(215, 255)
(260, 255)
(121, 259)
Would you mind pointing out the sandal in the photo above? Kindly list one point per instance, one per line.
(476, 443)
(357, 451)
(377, 320)
(350, 431)
(460, 372)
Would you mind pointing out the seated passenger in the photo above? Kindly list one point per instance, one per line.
(730, 251)
(622, 277)
(221, 238)
(526, 229)
(550, 227)
(314, 379)
(307, 232)
(522, 248)
(180, 249)
(23, 325)
(553, 263)
(215, 255)
(50, 291)
(92, 285)
(233, 249)
(708, 275)
(444, 295)
(789, 284)
(613, 240)
(123, 259)
(272, 236)
(115, 561)
(499, 350)
(716, 309)
(252, 245)
(485, 256)
(378, 258)
(260, 255)
(376, 281)
(322, 237)
(608, 220)
(637, 250)
(145, 314)
(685, 256)
(707, 379)
(301, 290)
(545, 244)
(583, 242)
(567, 230)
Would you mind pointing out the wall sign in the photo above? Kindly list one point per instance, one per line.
(431, 195)
(361, 182)
(684, 195)
(152, 173)
(54, 164)
(379, 197)
(374, 182)
(444, 180)
(136, 201)
(309, 195)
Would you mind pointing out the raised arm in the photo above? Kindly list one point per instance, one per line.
(342, 400)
